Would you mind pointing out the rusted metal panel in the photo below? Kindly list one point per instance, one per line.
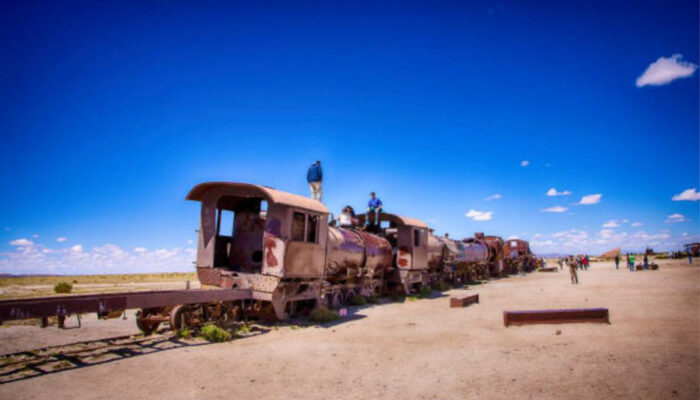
(564, 316)
(456, 302)
(103, 303)
(396, 220)
(199, 192)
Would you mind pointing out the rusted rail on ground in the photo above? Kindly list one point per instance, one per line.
(457, 302)
(556, 316)
(104, 303)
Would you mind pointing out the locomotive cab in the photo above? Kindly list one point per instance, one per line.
(254, 229)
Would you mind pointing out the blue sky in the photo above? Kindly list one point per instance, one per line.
(112, 112)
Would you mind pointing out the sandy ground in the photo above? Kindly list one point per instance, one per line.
(424, 349)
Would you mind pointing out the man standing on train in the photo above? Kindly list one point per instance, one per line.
(314, 176)
(374, 206)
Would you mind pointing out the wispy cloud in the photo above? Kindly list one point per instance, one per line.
(590, 199)
(493, 197)
(611, 224)
(21, 242)
(555, 209)
(675, 218)
(553, 192)
(665, 70)
(61, 239)
(687, 195)
(479, 215)
(636, 224)
(524, 163)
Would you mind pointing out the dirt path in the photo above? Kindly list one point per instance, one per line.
(425, 350)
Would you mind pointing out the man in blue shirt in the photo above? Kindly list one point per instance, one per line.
(314, 176)
(374, 206)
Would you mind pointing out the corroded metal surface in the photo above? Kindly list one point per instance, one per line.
(464, 301)
(199, 192)
(102, 303)
(556, 316)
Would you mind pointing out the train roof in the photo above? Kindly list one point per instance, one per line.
(250, 190)
(397, 219)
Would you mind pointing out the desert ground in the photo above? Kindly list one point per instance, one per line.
(419, 349)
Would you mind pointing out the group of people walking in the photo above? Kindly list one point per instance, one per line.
(347, 217)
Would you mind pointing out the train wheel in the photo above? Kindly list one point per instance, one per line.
(349, 295)
(146, 325)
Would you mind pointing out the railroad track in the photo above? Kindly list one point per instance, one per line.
(49, 360)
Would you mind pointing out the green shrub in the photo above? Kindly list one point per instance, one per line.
(213, 333)
(184, 333)
(411, 298)
(63, 287)
(442, 286)
(243, 329)
(373, 299)
(358, 300)
(425, 291)
(323, 314)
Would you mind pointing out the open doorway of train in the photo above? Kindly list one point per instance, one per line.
(240, 226)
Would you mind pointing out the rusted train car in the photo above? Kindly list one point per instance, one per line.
(265, 252)
(518, 257)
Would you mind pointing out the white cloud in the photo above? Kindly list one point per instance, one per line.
(494, 197)
(524, 163)
(553, 192)
(624, 221)
(590, 199)
(61, 239)
(108, 258)
(687, 195)
(21, 242)
(665, 70)
(555, 209)
(479, 215)
(35, 236)
(636, 224)
(675, 218)
(611, 224)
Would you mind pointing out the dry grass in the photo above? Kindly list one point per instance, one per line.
(81, 279)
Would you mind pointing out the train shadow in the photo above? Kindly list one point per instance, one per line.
(50, 360)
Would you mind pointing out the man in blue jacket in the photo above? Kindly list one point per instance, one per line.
(374, 207)
(314, 176)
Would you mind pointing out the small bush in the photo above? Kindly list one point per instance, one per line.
(213, 333)
(243, 329)
(411, 298)
(75, 281)
(323, 314)
(63, 287)
(373, 299)
(425, 291)
(184, 333)
(442, 286)
(358, 300)
(396, 297)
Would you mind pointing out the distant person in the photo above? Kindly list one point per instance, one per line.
(690, 256)
(561, 263)
(631, 258)
(314, 176)
(374, 208)
(585, 262)
(646, 261)
(573, 265)
(617, 261)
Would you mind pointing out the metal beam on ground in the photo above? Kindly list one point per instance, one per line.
(102, 303)
(564, 316)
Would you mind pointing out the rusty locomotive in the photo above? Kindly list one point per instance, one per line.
(267, 253)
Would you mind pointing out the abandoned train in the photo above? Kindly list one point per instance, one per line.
(270, 254)
(281, 246)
